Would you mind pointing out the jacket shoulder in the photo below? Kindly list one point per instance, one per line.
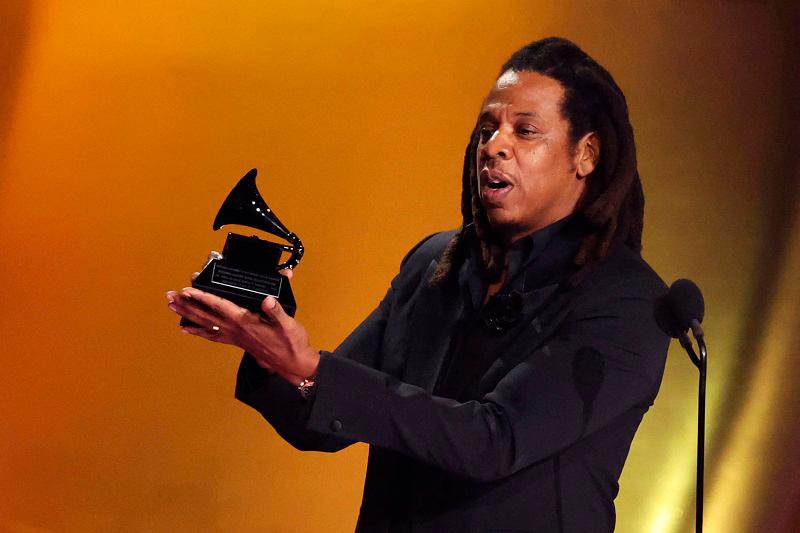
(428, 249)
(418, 261)
(624, 269)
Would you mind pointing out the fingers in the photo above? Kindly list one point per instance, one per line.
(273, 311)
(216, 306)
(203, 309)
(277, 342)
(286, 272)
(206, 322)
(191, 311)
(205, 333)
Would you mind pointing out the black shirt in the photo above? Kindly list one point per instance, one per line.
(529, 268)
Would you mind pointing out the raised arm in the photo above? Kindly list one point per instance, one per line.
(278, 355)
(603, 365)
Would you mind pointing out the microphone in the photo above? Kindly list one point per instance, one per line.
(686, 301)
(676, 312)
(679, 310)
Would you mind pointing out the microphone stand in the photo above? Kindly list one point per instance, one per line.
(701, 364)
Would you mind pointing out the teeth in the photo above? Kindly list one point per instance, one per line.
(495, 183)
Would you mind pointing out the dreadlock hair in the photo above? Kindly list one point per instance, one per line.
(612, 203)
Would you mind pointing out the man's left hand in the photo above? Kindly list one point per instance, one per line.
(277, 341)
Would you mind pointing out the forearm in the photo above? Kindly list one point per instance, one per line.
(281, 404)
(471, 439)
(285, 409)
(539, 408)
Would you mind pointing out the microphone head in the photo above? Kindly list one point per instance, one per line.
(675, 310)
(686, 302)
(665, 318)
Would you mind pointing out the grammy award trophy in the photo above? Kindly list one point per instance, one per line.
(246, 271)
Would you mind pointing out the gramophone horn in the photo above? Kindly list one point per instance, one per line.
(245, 206)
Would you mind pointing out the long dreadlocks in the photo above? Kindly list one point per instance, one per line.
(613, 202)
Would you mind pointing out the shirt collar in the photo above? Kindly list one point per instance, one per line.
(529, 248)
(529, 267)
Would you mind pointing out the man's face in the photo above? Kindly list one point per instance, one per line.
(528, 172)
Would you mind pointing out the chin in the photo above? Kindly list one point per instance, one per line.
(505, 228)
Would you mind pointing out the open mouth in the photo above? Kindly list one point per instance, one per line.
(494, 184)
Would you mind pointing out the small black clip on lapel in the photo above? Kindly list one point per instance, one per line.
(503, 311)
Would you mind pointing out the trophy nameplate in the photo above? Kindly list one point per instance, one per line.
(247, 270)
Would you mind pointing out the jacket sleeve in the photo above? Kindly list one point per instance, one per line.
(279, 402)
(605, 360)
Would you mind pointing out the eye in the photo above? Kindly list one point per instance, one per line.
(486, 132)
(526, 131)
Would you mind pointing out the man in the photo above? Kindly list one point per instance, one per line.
(500, 381)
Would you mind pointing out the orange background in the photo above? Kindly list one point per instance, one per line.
(124, 125)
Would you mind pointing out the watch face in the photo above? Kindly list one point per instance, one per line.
(305, 388)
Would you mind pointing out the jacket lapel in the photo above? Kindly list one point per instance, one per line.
(438, 311)
(496, 351)
(544, 308)
(543, 312)
(433, 322)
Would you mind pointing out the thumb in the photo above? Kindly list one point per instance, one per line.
(273, 310)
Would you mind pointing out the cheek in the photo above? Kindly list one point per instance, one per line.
(537, 168)
(547, 163)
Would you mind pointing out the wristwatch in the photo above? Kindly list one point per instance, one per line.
(306, 387)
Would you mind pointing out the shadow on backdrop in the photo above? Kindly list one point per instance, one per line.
(15, 18)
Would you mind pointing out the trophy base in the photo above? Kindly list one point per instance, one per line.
(245, 274)
(243, 287)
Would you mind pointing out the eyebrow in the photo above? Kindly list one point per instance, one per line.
(488, 115)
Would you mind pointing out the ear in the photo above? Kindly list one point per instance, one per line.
(587, 154)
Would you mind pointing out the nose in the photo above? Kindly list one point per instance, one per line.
(497, 147)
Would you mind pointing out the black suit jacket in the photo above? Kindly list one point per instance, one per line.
(539, 442)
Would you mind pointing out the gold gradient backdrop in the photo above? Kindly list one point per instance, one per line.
(124, 125)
